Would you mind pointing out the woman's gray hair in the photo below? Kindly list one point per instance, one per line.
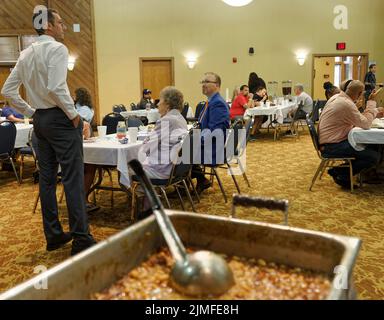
(173, 98)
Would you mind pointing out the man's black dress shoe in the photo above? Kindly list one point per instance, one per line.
(79, 245)
(59, 242)
(201, 186)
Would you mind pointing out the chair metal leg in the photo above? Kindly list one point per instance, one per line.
(134, 187)
(189, 196)
(14, 170)
(165, 197)
(220, 185)
(351, 174)
(21, 168)
(323, 162)
(111, 180)
(244, 174)
(234, 178)
(194, 189)
(180, 198)
(323, 168)
(36, 202)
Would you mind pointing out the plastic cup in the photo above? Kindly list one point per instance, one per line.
(102, 131)
(132, 134)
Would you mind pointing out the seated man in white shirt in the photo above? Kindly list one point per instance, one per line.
(304, 99)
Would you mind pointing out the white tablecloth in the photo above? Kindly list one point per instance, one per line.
(280, 111)
(22, 135)
(109, 152)
(358, 137)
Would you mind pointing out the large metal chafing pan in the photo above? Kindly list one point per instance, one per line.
(100, 266)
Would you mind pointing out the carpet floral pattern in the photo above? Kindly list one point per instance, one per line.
(282, 169)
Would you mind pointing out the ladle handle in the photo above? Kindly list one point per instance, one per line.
(170, 235)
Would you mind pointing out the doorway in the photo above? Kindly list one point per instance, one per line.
(155, 74)
(337, 68)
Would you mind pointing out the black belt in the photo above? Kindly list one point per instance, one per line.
(49, 109)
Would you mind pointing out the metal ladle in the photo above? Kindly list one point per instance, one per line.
(199, 274)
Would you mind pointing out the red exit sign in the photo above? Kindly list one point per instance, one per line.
(341, 46)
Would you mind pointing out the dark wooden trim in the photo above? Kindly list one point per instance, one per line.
(95, 69)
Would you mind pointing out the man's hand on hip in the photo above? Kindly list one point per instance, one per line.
(76, 121)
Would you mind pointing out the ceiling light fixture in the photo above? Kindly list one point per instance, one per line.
(237, 3)
(71, 63)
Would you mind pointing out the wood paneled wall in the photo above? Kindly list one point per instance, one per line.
(16, 18)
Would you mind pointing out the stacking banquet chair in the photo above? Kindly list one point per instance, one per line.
(315, 115)
(180, 175)
(26, 152)
(7, 144)
(329, 162)
(229, 154)
(317, 108)
(235, 148)
(199, 108)
(184, 113)
(111, 121)
(119, 108)
(260, 203)
(291, 123)
(134, 121)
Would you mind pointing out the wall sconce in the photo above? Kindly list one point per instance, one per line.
(237, 3)
(191, 62)
(71, 63)
(301, 57)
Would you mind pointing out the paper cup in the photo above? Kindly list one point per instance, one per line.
(132, 134)
(102, 131)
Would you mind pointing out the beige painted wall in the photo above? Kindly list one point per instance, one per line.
(129, 29)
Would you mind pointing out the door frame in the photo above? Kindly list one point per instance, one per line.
(171, 59)
(323, 55)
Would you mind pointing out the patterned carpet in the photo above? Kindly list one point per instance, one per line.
(280, 169)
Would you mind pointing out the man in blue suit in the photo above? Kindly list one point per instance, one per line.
(214, 120)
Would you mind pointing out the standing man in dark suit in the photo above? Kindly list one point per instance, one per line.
(370, 81)
(42, 69)
(214, 118)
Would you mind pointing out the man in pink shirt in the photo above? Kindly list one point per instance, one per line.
(338, 118)
(242, 102)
